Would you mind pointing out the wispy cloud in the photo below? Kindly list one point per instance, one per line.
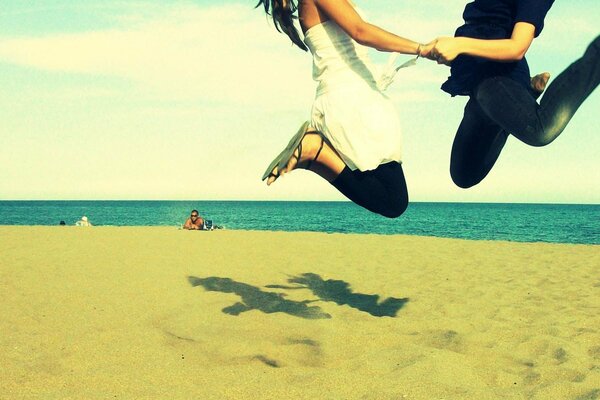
(227, 53)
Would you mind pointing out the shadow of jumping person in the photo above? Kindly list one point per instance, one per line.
(255, 299)
(339, 292)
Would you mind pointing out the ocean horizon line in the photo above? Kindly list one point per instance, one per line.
(291, 201)
(550, 222)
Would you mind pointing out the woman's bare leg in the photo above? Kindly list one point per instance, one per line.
(315, 153)
(382, 191)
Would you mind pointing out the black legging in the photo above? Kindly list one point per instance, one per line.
(499, 106)
(382, 190)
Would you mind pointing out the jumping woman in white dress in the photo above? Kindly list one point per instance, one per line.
(353, 138)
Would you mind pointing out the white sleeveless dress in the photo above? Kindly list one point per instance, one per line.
(358, 120)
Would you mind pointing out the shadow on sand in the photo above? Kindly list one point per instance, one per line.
(339, 292)
(255, 299)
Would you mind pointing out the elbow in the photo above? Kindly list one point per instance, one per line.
(359, 33)
(518, 51)
(511, 56)
(519, 55)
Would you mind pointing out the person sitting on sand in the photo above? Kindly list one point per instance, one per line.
(195, 222)
(83, 222)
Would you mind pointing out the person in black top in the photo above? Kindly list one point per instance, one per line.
(487, 59)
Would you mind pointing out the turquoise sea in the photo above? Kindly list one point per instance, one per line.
(560, 223)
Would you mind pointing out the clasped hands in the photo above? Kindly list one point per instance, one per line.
(443, 50)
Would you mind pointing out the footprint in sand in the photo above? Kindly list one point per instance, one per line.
(594, 352)
(592, 395)
(443, 339)
(560, 355)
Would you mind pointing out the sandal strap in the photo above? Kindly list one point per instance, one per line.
(297, 157)
(317, 155)
(299, 148)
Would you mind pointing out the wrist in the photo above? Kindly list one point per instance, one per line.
(463, 45)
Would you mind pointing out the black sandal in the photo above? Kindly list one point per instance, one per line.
(297, 157)
(284, 157)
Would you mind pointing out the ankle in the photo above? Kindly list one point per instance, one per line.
(310, 146)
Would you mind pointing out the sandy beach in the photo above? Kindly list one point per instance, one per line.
(145, 312)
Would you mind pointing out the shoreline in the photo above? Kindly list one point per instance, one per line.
(512, 222)
(225, 229)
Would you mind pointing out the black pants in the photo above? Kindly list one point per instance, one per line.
(382, 190)
(499, 106)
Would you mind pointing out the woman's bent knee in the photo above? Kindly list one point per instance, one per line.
(542, 138)
(395, 209)
(464, 183)
(541, 141)
(464, 179)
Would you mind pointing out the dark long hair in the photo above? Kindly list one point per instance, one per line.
(282, 12)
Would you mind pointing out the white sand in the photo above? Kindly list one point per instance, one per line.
(106, 312)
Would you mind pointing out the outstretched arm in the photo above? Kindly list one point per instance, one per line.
(507, 50)
(363, 32)
(189, 225)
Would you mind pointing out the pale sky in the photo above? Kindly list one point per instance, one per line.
(183, 100)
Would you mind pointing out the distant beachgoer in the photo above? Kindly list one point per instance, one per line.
(353, 139)
(62, 223)
(210, 226)
(487, 59)
(195, 222)
(83, 222)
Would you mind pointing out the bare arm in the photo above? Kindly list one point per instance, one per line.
(363, 32)
(507, 50)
